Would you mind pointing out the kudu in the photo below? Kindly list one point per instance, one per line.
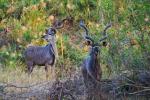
(91, 69)
(43, 55)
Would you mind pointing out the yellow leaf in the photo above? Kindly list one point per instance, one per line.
(42, 4)
(24, 28)
(10, 10)
(51, 17)
(18, 40)
(34, 7)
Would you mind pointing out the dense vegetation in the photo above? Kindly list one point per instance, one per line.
(22, 22)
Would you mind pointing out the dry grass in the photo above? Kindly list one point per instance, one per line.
(20, 77)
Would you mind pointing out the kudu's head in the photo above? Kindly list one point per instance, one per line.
(94, 46)
(51, 32)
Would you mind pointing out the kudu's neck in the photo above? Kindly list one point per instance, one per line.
(53, 43)
(94, 59)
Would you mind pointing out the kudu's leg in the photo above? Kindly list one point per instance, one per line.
(46, 70)
(85, 80)
(90, 86)
(85, 77)
(54, 71)
(30, 69)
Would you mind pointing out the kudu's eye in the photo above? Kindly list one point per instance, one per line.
(53, 31)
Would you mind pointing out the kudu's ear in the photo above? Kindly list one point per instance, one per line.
(46, 30)
(88, 40)
(42, 36)
(59, 23)
(104, 43)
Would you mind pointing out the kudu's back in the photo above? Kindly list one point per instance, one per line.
(39, 55)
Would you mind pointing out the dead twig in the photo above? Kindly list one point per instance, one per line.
(60, 92)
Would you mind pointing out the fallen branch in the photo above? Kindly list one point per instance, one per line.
(29, 86)
(137, 92)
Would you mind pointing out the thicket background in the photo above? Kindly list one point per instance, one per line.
(128, 42)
